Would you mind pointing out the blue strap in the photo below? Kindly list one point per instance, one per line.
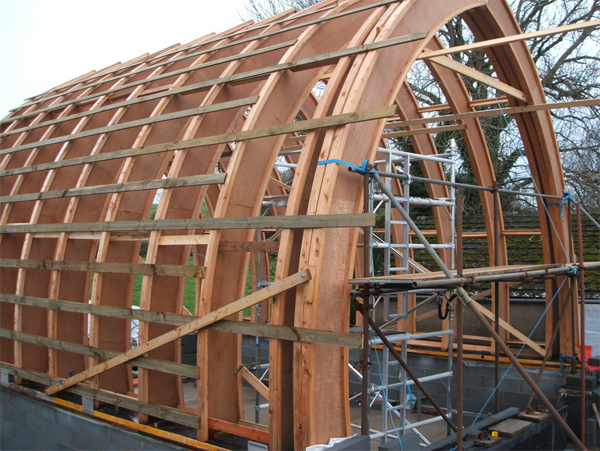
(567, 198)
(563, 359)
(361, 170)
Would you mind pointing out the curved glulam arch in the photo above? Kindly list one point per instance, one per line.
(308, 382)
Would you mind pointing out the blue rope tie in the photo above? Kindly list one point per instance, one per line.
(563, 360)
(567, 198)
(362, 170)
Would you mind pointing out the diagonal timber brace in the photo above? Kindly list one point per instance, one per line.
(206, 320)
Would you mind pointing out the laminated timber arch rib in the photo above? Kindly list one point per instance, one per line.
(80, 165)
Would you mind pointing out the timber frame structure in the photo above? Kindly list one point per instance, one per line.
(209, 123)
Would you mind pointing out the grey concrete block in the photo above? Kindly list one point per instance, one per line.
(10, 444)
(47, 444)
(149, 444)
(45, 411)
(59, 433)
(96, 429)
(7, 428)
(513, 399)
(83, 441)
(70, 420)
(125, 439)
(36, 424)
(24, 436)
(105, 446)
(476, 380)
(6, 397)
(15, 415)
(23, 403)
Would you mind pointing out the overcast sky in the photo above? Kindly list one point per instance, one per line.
(45, 43)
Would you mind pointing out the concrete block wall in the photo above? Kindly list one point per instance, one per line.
(31, 424)
(479, 382)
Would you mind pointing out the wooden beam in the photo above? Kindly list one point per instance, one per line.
(249, 246)
(106, 267)
(255, 382)
(423, 131)
(478, 76)
(298, 334)
(137, 123)
(238, 429)
(155, 410)
(508, 39)
(524, 339)
(261, 222)
(282, 129)
(183, 240)
(199, 323)
(175, 182)
(104, 354)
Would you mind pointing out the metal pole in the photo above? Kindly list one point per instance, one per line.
(551, 343)
(464, 297)
(582, 316)
(496, 296)
(459, 327)
(410, 374)
(367, 233)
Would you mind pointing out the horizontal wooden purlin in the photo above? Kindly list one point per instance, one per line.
(138, 123)
(261, 222)
(239, 327)
(155, 410)
(249, 246)
(196, 324)
(126, 87)
(499, 112)
(106, 267)
(104, 354)
(239, 430)
(176, 182)
(423, 131)
(282, 129)
(299, 334)
(256, 73)
(508, 39)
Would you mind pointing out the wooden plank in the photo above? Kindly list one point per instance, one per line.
(199, 323)
(249, 246)
(104, 354)
(253, 74)
(478, 76)
(183, 240)
(175, 182)
(125, 402)
(137, 123)
(511, 427)
(508, 39)
(532, 344)
(282, 129)
(255, 382)
(117, 268)
(240, 327)
(261, 222)
(423, 131)
(238, 429)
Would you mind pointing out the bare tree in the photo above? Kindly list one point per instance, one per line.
(569, 67)
(258, 10)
